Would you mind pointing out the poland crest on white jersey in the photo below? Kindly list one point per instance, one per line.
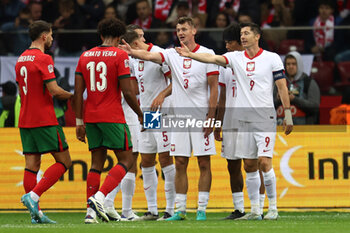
(255, 80)
(190, 82)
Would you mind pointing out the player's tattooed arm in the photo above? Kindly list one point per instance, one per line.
(202, 57)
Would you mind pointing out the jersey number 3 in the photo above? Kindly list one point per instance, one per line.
(24, 73)
(100, 67)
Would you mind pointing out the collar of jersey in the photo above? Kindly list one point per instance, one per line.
(150, 47)
(196, 48)
(256, 55)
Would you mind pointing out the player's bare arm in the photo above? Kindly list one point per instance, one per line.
(220, 112)
(135, 86)
(202, 57)
(130, 97)
(78, 107)
(141, 54)
(57, 92)
(158, 101)
(283, 93)
(213, 85)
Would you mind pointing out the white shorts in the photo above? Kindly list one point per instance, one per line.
(183, 143)
(154, 142)
(255, 139)
(135, 136)
(228, 146)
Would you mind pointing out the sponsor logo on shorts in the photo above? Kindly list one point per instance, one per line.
(206, 149)
(166, 145)
(172, 148)
(266, 151)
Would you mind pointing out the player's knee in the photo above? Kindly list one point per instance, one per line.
(250, 167)
(265, 165)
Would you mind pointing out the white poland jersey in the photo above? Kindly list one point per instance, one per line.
(130, 116)
(255, 82)
(190, 83)
(227, 78)
(151, 78)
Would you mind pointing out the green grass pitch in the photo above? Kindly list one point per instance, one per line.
(294, 222)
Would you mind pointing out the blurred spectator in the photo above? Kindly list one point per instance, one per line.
(93, 10)
(342, 38)
(144, 15)
(110, 12)
(17, 40)
(275, 13)
(8, 100)
(9, 10)
(181, 9)
(341, 115)
(164, 40)
(162, 9)
(70, 44)
(203, 38)
(50, 10)
(321, 44)
(36, 9)
(304, 93)
(221, 22)
(233, 7)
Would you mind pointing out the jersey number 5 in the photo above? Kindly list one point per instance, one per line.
(101, 67)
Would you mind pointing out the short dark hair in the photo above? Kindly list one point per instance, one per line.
(111, 28)
(133, 27)
(130, 36)
(184, 20)
(253, 26)
(329, 3)
(37, 28)
(139, 1)
(232, 33)
(9, 88)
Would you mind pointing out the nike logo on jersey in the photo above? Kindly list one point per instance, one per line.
(146, 188)
(185, 72)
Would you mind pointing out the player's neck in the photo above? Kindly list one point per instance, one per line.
(252, 51)
(145, 46)
(37, 45)
(191, 45)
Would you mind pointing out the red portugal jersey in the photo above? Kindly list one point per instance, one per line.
(101, 68)
(33, 70)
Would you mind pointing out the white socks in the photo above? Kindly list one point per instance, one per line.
(128, 190)
(262, 202)
(203, 198)
(253, 185)
(34, 196)
(180, 202)
(150, 183)
(109, 200)
(238, 201)
(169, 187)
(270, 187)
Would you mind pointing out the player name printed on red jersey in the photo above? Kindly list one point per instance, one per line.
(100, 53)
(25, 58)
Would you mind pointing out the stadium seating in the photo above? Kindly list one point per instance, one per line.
(344, 73)
(326, 105)
(323, 73)
(287, 46)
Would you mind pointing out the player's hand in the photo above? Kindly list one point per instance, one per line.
(157, 102)
(140, 119)
(125, 46)
(287, 122)
(217, 134)
(80, 133)
(183, 50)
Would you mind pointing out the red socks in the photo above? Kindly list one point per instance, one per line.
(115, 175)
(92, 182)
(50, 177)
(29, 180)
